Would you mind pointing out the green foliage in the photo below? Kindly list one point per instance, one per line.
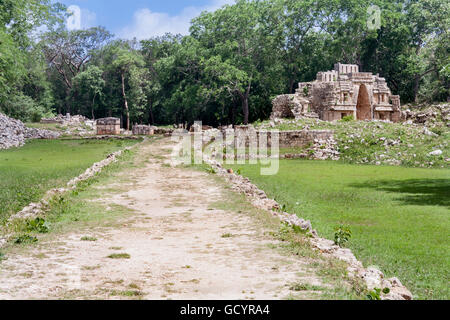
(374, 294)
(22, 107)
(25, 239)
(210, 170)
(91, 83)
(18, 20)
(119, 256)
(342, 235)
(37, 225)
(306, 91)
(347, 119)
(87, 238)
(235, 60)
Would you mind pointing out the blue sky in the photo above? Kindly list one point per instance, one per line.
(142, 18)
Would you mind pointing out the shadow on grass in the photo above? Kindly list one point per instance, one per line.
(422, 192)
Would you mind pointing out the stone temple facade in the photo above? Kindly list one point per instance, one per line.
(339, 93)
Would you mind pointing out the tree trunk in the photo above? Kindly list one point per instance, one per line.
(291, 86)
(233, 112)
(68, 102)
(151, 118)
(245, 108)
(92, 108)
(125, 100)
(245, 101)
(416, 87)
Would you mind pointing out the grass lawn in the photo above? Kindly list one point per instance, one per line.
(26, 173)
(399, 217)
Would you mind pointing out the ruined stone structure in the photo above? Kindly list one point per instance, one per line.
(143, 130)
(108, 126)
(341, 92)
(286, 139)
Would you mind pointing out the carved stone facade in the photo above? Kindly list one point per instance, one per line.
(341, 92)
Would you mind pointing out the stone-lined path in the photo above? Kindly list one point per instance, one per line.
(181, 245)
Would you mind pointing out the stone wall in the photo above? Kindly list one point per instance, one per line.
(297, 138)
(287, 139)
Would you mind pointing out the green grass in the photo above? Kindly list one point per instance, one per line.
(27, 173)
(88, 238)
(119, 256)
(399, 217)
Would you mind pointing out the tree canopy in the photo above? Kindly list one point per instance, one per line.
(227, 70)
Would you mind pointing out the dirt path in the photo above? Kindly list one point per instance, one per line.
(180, 246)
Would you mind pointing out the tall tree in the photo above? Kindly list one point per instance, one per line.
(92, 83)
(126, 62)
(242, 38)
(69, 52)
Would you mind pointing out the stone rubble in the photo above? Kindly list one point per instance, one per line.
(436, 153)
(372, 277)
(324, 149)
(13, 133)
(67, 120)
(427, 115)
(75, 125)
(34, 133)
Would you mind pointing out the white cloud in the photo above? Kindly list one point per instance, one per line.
(88, 19)
(148, 24)
(80, 18)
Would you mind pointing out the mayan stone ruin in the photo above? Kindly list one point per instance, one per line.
(339, 93)
(108, 126)
(139, 129)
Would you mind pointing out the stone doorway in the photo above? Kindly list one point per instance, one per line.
(363, 107)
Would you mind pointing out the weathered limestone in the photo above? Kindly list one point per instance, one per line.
(108, 126)
(428, 115)
(143, 130)
(287, 139)
(66, 120)
(13, 133)
(341, 92)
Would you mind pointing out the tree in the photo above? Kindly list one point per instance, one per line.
(153, 50)
(69, 52)
(242, 37)
(92, 82)
(429, 22)
(126, 61)
(18, 18)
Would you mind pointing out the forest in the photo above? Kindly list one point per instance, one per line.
(229, 67)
